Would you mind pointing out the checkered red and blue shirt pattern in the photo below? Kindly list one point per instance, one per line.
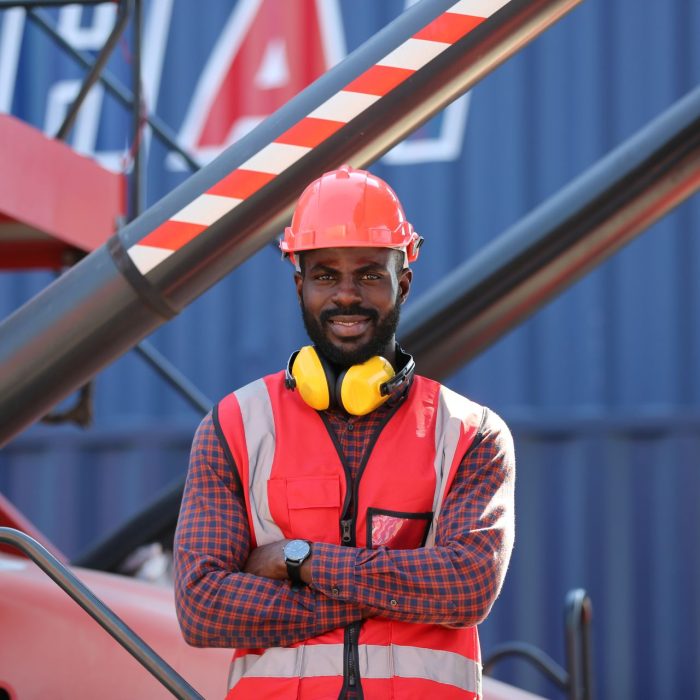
(454, 583)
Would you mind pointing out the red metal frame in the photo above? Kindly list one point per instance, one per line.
(54, 203)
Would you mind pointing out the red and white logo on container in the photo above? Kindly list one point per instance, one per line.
(267, 52)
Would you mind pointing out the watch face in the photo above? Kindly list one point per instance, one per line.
(297, 550)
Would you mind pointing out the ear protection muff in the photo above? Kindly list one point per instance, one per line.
(358, 390)
(312, 376)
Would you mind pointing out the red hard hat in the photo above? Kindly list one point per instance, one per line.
(348, 208)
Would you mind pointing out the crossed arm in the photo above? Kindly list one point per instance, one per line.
(229, 596)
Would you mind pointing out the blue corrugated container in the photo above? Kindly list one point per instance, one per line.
(601, 387)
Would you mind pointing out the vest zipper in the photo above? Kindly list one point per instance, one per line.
(352, 660)
(346, 526)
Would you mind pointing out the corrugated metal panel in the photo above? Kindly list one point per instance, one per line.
(602, 387)
(610, 506)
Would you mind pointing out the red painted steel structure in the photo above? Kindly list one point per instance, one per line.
(51, 648)
(55, 205)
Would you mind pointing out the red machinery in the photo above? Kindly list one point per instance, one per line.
(55, 205)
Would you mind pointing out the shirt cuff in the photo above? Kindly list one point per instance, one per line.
(333, 570)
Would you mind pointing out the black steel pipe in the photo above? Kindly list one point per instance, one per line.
(94, 73)
(93, 606)
(551, 248)
(103, 306)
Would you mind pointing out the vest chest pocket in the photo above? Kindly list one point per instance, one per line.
(310, 506)
(397, 530)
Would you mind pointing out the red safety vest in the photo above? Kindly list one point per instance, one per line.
(295, 487)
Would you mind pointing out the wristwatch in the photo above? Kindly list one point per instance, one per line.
(296, 552)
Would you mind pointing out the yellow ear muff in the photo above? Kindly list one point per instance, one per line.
(360, 386)
(310, 377)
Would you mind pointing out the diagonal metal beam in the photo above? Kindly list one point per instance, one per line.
(559, 242)
(205, 228)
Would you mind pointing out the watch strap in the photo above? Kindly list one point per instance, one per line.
(294, 573)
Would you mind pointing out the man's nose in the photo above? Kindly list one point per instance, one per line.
(347, 292)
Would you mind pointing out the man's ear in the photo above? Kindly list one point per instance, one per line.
(405, 279)
(298, 282)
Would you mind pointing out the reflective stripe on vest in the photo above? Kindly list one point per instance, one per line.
(455, 419)
(313, 660)
(259, 426)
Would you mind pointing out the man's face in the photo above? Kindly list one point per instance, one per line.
(350, 300)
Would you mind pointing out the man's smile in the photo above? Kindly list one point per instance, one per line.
(348, 326)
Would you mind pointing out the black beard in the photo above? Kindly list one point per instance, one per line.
(385, 330)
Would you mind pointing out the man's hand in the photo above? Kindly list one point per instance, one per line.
(268, 561)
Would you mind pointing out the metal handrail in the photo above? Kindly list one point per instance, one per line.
(545, 663)
(107, 619)
(577, 679)
(578, 616)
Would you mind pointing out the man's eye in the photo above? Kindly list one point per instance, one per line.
(370, 276)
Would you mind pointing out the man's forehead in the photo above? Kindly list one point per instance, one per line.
(332, 257)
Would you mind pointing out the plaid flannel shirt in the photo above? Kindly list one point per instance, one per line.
(453, 583)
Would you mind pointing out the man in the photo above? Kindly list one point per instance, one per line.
(346, 524)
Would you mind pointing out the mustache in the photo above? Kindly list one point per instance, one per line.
(352, 310)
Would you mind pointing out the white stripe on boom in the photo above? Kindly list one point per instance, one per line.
(413, 54)
(477, 8)
(275, 158)
(206, 209)
(344, 106)
(146, 257)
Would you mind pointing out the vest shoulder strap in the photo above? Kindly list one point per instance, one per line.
(247, 425)
(458, 422)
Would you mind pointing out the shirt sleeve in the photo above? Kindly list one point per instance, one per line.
(456, 581)
(217, 604)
